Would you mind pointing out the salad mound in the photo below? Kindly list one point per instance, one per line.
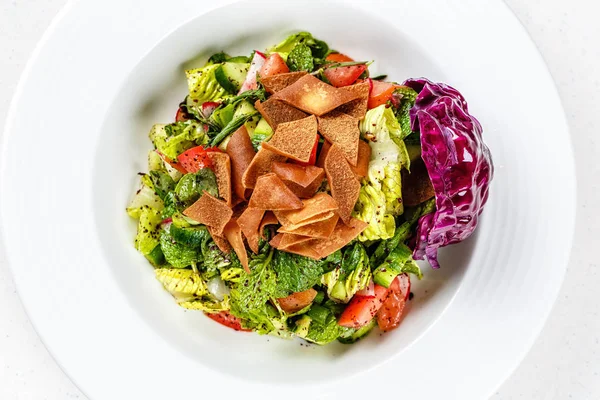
(293, 192)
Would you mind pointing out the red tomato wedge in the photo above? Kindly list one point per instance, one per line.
(297, 301)
(381, 92)
(389, 315)
(225, 318)
(175, 165)
(344, 76)
(362, 309)
(194, 159)
(313, 155)
(273, 65)
(338, 57)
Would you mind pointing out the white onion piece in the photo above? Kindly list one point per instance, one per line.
(217, 288)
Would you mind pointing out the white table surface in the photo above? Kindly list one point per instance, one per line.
(565, 361)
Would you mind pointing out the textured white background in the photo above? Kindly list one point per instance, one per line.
(565, 361)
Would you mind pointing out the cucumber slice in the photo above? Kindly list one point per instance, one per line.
(353, 336)
(156, 256)
(192, 236)
(244, 108)
(231, 75)
(239, 60)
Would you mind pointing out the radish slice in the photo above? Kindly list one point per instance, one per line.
(368, 291)
(257, 62)
(209, 107)
(370, 85)
(404, 280)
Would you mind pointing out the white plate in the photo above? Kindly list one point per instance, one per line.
(76, 136)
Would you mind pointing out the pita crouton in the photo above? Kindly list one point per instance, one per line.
(364, 156)
(210, 212)
(313, 96)
(241, 153)
(344, 186)
(277, 112)
(271, 193)
(304, 249)
(276, 240)
(323, 154)
(299, 174)
(289, 239)
(320, 230)
(357, 107)
(278, 82)
(319, 204)
(307, 192)
(294, 139)
(268, 219)
(416, 185)
(233, 233)
(249, 222)
(343, 234)
(220, 241)
(317, 218)
(260, 165)
(341, 129)
(221, 166)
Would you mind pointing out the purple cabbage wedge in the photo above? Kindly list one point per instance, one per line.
(458, 162)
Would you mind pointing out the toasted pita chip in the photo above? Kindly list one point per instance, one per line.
(220, 241)
(294, 139)
(319, 204)
(343, 234)
(249, 222)
(319, 230)
(416, 185)
(304, 249)
(289, 239)
(313, 96)
(221, 166)
(307, 192)
(268, 219)
(277, 112)
(341, 129)
(301, 175)
(271, 193)
(344, 186)
(364, 156)
(357, 107)
(276, 240)
(278, 82)
(210, 212)
(323, 154)
(260, 165)
(233, 233)
(317, 218)
(241, 153)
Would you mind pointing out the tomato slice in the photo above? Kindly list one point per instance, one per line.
(225, 318)
(389, 315)
(273, 65)
(338, 57)
(381, 92)
(362, 309)
(344, 76)
(173, 164)
(297, 301)
(194, 159)
(313, 155)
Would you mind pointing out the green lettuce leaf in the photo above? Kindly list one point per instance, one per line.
(351, 276)
(295, 273)
(203, 86)
(183, 284)
(177, 254)
(147, 237)
(173, 139)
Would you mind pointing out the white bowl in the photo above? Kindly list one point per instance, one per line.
(94, 299)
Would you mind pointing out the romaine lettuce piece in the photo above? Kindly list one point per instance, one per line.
(202, 84)
(183, 284)
(145, 197)
(319, 49)
(173, 139)
(147, 237)
(318, 326)
(353, 275)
